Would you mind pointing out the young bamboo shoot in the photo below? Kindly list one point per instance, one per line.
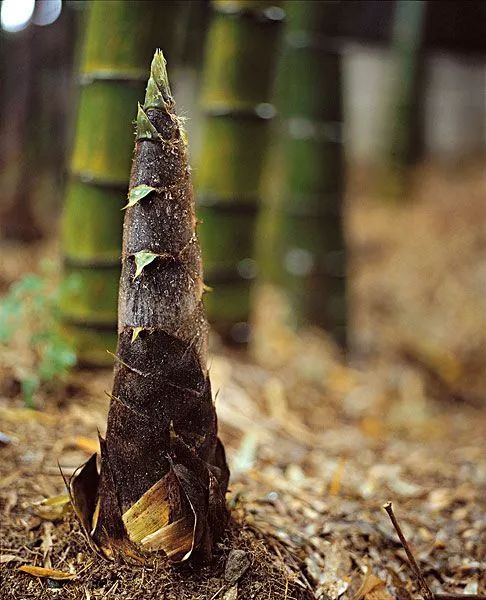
(163, 471)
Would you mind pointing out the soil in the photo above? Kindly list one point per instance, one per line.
(316, 444)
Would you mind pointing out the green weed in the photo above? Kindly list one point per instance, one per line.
(31, 339)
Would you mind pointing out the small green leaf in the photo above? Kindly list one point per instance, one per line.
(135, 333)
(137, 193)
(153, 96)
(29, 317)
(142, 259)
(145, 129)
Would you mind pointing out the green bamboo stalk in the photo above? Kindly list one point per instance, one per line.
(404, 144)
(118, 44)
(305, 248)
(163, 473)
(237, 84)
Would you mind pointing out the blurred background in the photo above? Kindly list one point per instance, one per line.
(338, 156)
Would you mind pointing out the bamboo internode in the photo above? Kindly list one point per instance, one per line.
(303, 245)
(237, 84)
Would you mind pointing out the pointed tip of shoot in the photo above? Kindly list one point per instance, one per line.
(158, 94)
(158, 69)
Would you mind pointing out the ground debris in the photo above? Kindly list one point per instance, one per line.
(316, 446)
(236, 565)
(46, 573)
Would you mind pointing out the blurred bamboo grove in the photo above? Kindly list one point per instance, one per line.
(405, 143)
(301, 230)
(241, 55)
(34, 122)
(275, 97)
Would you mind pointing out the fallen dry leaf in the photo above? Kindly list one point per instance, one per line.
(328, 568)
(47, 573)
(10, 502)
(378, 593)
(53, 509)
(232, 593)
(46, 545)
(335, 485)
(16, 415)
(88, 445)
(372, 588)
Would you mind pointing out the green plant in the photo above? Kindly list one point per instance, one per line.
(31, 339)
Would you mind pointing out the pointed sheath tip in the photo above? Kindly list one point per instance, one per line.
(158, 94)
(145, 130)
(158, 65)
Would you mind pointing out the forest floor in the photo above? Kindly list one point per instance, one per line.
(316, 444)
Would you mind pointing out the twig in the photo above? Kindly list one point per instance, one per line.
(426, 591)
(217, 593)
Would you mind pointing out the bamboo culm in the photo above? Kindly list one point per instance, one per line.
(161, 454)
(404, 144)
(240, 60)
(302, 230)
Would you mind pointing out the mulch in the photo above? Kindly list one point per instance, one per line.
(317, 445)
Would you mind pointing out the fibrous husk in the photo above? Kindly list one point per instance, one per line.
(168, 517)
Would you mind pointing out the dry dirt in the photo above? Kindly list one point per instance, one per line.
(316, 445)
